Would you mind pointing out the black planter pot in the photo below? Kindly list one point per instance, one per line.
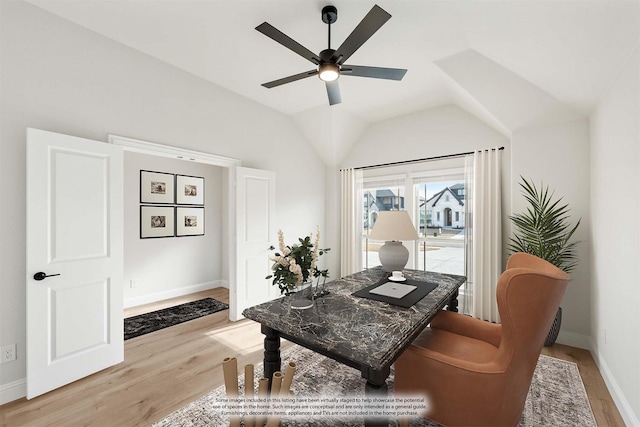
(555, 329)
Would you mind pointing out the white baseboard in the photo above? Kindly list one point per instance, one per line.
(574, 340)
(13, 391)
(172, 293)
(587, 343)
(625, 409)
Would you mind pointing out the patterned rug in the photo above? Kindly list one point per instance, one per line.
(556, 398)
(156, 320)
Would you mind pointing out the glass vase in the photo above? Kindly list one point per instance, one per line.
(302, 296)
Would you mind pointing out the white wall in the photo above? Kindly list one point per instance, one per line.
(60, 77)
(165, 267)
(615, 227)
(558, 156)
(434, 132)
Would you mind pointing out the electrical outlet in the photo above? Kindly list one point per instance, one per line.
(7, 353)
(133, 283)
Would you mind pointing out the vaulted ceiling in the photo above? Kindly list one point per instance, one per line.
(559, 55)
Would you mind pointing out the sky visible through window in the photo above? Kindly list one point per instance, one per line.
(435, 187)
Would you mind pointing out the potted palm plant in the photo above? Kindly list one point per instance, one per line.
(544, 230)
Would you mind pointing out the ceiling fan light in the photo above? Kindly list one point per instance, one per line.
(328, 72)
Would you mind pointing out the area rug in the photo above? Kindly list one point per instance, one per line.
(156, 320)
(556, 398)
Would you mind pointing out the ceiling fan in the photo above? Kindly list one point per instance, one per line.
(331, 63)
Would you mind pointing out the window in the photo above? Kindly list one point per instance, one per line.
(420, 189)
(378, 196)
(440, 246)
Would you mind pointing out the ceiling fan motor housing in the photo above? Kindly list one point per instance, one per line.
(326, 54)
(328, 69)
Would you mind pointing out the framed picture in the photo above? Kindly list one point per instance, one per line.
(189, 190)
(157, 221)
(189, 221)
(156, 187)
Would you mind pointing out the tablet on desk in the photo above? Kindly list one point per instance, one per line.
(393, 290)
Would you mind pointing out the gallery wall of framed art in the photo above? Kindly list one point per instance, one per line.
(171, 205)
(157, 264)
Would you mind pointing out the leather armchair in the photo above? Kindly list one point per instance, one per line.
(477, 373)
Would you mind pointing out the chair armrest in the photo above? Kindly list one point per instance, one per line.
(468, 326)
(493, 367)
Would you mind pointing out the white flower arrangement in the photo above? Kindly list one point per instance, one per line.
(297, 263)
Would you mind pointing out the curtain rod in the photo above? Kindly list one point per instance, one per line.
(426, 159)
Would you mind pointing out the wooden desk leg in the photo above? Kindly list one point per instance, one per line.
(373, 390)
(453, 303)
(272, 360)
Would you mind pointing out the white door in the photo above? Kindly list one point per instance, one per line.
(255, 198)
(74, 235)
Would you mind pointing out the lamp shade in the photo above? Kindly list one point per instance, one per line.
(393, 225)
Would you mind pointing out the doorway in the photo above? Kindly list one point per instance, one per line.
(248, 198)
(447, 217)
(95, 240)
(227, 165)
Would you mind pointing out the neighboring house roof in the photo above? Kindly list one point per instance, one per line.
(385, 193)
(436, 197)
(377, 199)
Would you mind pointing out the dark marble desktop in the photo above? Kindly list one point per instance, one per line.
(362, 331)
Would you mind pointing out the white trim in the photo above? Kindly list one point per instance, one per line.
(172, 293)
(440, 174)
(574, 340)
(625, 409)
(13, 391)
(145, 147)
(384, 178)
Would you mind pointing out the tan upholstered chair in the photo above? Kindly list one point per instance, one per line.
(478, 373)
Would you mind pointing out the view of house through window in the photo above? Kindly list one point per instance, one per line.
(440, 206)
(437, 206)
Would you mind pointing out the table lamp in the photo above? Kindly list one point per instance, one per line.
(393, 227)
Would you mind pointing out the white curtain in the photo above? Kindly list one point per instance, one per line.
(483, 233)
(350, 222)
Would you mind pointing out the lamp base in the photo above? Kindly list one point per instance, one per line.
(393, 256)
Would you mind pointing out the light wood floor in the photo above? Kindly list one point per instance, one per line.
(167, 369)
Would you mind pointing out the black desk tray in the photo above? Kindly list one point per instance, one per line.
(422, 289)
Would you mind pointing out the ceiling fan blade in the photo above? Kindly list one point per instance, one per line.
(286, 41)
(333, 91)
(290, 79)
(374, 72)
(365, 29)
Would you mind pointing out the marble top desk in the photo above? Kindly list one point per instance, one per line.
(362, 333)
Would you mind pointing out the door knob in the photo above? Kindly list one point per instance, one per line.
(41, 275)
(271, 247)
